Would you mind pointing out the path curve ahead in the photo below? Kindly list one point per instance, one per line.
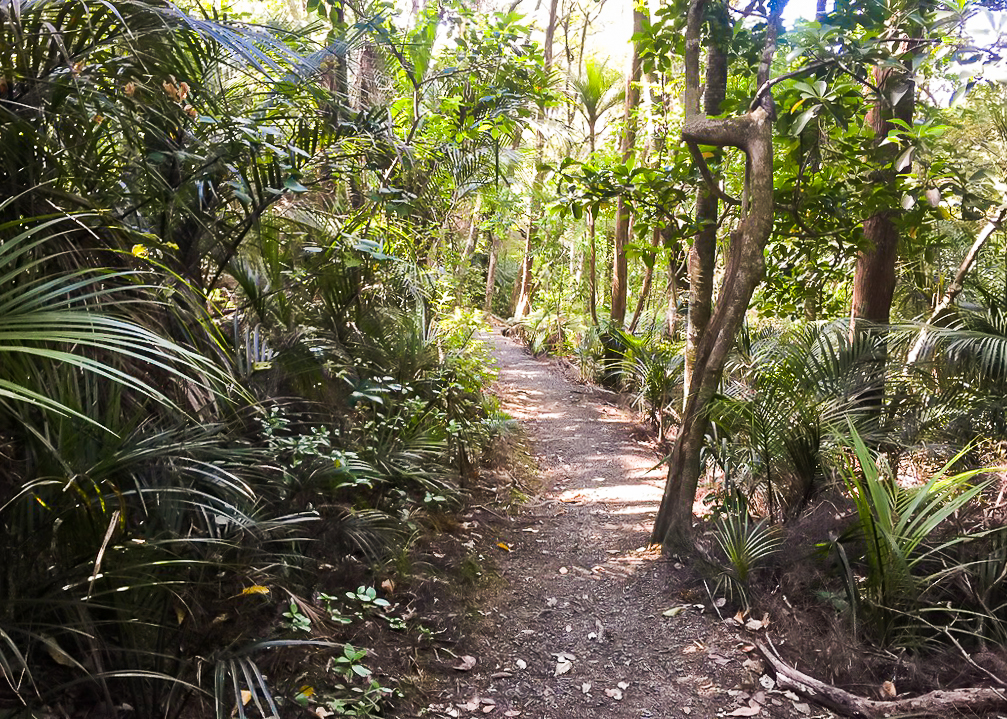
(578, 628)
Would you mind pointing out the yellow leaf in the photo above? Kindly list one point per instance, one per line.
(246, 696)
(255, 589)
(707, 155)
(307, 691)
(504, 546)
(139, 250)
(55, 651)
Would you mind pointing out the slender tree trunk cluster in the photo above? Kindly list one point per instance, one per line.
(523, 305)
(627, 147)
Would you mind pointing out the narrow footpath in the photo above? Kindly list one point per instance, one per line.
(589, 622)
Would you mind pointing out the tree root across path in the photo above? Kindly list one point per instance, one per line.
(936, 703)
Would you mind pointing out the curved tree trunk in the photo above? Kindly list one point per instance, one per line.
(648, 278)
(753, 134)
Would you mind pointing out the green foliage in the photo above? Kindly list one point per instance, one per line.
(900, 533)
(746, 545)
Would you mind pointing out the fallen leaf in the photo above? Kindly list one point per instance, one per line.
(674, 611)
(323, 712)
(563, 570)
(623, 685)
(750, 711)
(520, 663)
(500, 675)
(888, 690)
(687, 710)
(512, 713)
(585, 687)
(802, 707)
(389, 586)
(562, 668)
(465, 663)
(255, 589)
(246, 696)
(720, 602)
(719, 659)
(530, 530)
(569, 628)
(564, 657)
(767, 681)
(753, 665)
(592, 635)
(471, 705)
(551, 602)
(488, 702)
(488, 708)
(747, 648)
(754, 625)
(614, 693)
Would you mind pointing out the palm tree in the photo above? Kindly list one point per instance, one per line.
(595, 93)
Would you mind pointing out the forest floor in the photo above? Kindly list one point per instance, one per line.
(580, 618)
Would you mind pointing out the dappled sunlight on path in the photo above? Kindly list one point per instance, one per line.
(580, 626)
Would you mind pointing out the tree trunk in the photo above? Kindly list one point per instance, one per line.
(703, 254)
(465, 261)
(491, 272)
(874, 277)
(523, 305)
(623, 214)
(672, 305)
(648, 277)
(753, 134)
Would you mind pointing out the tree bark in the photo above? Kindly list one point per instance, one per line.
(753, 134)
(703, 254)
(627, 145)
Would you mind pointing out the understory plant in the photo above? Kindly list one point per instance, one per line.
(746, 545)
(901, 560)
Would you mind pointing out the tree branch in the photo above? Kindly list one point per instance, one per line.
(769, 84)
(935, 703)
(711, 182)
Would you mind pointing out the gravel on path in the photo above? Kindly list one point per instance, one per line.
(580, 626)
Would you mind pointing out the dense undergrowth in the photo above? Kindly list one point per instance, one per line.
(869, 526)
(227, 401)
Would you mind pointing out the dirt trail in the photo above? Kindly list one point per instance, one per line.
(578, 628)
